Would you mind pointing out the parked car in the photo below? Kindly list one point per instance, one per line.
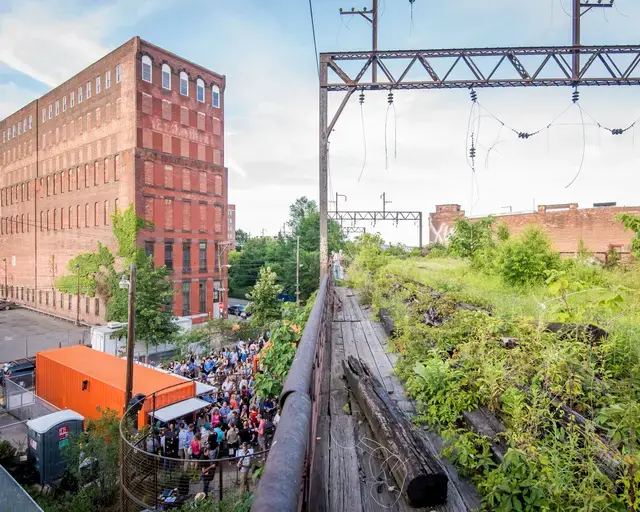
(238, 310)
(26, 369)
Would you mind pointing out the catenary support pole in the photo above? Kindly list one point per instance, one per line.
(575, 16)
(131, 334)
(324, 241)
(420, 231)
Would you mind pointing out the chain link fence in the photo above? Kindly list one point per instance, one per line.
(153, 479)
(13, 498)
(16, 348)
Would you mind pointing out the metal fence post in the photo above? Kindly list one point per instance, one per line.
(220, 478)
(26, 347)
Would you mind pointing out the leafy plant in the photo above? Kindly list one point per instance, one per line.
(524, 260)
(470, 237)
(632, 222)
(265, 305)
(470, 452)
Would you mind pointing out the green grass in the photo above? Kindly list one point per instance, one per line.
(463, 364)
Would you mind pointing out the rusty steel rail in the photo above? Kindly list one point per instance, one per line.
(284, 483)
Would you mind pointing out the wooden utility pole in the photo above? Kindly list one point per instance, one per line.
(131, 334)
(78, 296)
(298, 270)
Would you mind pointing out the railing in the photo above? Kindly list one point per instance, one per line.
(284, 485)
(153, 481)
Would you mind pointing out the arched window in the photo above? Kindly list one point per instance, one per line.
(184, 84)
(146, 68)
(200, 90)
(166, 77)
(215, 96)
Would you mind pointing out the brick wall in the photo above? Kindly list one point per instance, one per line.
(565, 224)
(127, 141)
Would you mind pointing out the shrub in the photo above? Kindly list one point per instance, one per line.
(470, 237)
(436, 250)
(524, 260)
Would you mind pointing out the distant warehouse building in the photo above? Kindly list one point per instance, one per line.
(566, 225)
(140, 126)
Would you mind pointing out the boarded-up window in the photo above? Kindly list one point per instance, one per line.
(203, 217)
(186, 179)
(107, 113)
(200, 121)
(184, 148)
(217, 185)
(98, 118)
(148, 208)
(184, 116)
(168, 213)
(147, 138)
(203, 182)
(217, 223)
(168, 176)
(118, 108)
(166, 110)
(186, 216)
(148, 172)
(217, 157)
(116, 168)
(166, 143)
(201, 152)
(217, 126)
(147, 103)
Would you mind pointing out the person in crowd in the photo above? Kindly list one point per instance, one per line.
(262, 432)
(208, 471)
(244, 465)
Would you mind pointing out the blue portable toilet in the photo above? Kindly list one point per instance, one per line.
(47, 436)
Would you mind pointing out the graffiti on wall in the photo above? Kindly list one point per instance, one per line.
(441, 233)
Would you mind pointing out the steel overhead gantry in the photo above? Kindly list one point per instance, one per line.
(541, 66)
(354, 217)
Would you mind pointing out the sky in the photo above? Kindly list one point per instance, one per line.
(266, 51)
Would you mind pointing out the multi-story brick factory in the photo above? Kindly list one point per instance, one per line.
(141, 126)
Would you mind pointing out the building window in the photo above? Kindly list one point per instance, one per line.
(19, 128)
(216, 261)
(46, 297)
(86, 305)
(50, 116)
(70, 301)
(86, 215)
(184, 84)
(200, 90)
(64, 104)
(86, 175)
(79, 94)
(40, 296)
(168, 255)
(116, 167)
(57, 107)
(96, 304)
(95, 173)
(88, 90)
(215, 96)
(186, 257)
(118, 73)
(146, 68)
(70, 218)
(98, 84)
(203, 256)
(166, 77)
(148, 249)
(72, 99)
(62, 301)
(186, 298)
(202, 295)
(216, 291)
(95, 214)
(107, 79)
(53, 299)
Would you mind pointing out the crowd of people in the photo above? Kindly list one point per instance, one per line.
(238, 424)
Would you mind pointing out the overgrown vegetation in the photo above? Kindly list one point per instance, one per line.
(472, 332)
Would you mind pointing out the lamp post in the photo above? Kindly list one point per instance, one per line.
(131, 329)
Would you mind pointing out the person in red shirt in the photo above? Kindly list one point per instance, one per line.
(253, 416)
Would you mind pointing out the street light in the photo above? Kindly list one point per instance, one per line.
(124, 283)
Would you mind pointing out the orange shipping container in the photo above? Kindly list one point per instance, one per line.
(83, 379)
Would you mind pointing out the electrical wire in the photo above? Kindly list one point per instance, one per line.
(364, 141)
(313, 30)
(395, 134)
(620, 12)
(584, 148)
(565, 11)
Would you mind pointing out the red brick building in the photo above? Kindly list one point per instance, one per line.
(231, 226)
(140, 126)
(566, 224)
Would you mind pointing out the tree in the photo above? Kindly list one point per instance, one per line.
(299, 210)
(242, 237)
(88, 272)
(632, 222)
(154, 298)
(265, 305)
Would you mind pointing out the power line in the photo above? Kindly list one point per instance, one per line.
(313, 30)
